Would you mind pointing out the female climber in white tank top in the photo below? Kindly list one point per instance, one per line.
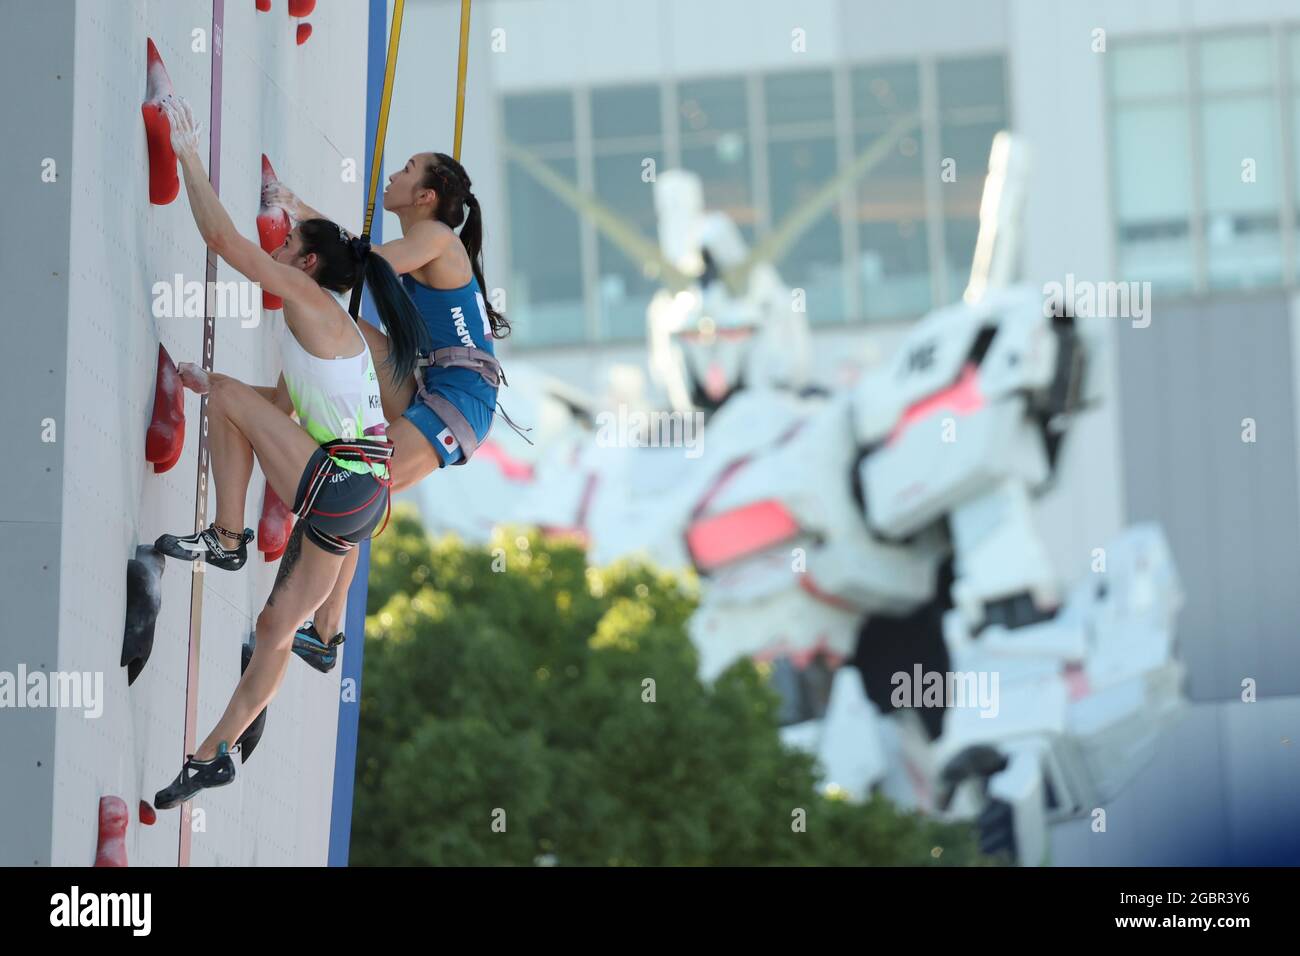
(332, 467)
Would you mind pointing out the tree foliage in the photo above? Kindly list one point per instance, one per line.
(506, 718)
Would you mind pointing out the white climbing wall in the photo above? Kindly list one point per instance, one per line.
(304, 106)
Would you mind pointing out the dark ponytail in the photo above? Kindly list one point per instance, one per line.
(452, 184)
(342, 262)
(407, 334)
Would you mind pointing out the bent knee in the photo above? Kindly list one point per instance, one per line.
(275, 628)
(222, 389)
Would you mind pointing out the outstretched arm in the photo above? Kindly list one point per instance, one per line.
(215, 224)
(424, 243)
(420, 246)
(278, 194)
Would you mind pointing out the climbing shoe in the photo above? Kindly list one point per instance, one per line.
(206, 544)
(197, 775)
(312, 648)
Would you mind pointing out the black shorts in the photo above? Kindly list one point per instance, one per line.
(340, 507)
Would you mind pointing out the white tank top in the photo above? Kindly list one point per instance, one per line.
(335, 398)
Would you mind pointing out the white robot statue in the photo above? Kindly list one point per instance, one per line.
(883, 557)
(722, 334)
(867, 543)
(731, 348)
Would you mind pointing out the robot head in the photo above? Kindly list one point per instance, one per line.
(702, 344)
(733, 327)
(703, 333)
(714, 340)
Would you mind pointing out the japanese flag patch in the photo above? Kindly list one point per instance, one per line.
(447, 442)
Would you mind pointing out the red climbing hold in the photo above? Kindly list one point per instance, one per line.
(112, 832)
(264, 5)
(301, 8)
(164, 183)
(272, 227)
(166, 435)
(148, 815)
(273, 530)
(304, 31)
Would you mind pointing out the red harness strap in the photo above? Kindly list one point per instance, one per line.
(369, 452)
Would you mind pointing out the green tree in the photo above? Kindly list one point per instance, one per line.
(513, 683)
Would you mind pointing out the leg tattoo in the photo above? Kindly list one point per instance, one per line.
(292, 552)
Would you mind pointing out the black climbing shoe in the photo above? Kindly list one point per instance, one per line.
(197, 775)
(206, 544)
(312, 648)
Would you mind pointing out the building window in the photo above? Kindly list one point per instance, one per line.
(545, 291)
(801, 159)
(1241, 187)
(972, 109)
(1151, 163)
(713, 121)
(626, 131)
(902, 216)
(1196, 161)
(893, 267)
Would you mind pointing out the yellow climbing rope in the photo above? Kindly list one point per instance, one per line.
(461, 65)
(385, 101)
(381, 131)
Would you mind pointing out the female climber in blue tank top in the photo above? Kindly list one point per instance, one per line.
(443, 273)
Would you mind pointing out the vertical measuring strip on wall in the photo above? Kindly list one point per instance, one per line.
(201, 487)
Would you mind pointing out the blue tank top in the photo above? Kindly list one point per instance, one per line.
(457, 317)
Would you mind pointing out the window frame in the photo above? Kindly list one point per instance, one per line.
(1284, 87)
(843, 128)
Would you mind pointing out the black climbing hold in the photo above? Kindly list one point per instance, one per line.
(247, 741)
(143, 601)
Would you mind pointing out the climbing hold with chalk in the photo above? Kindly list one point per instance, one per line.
(301, 8)
(194, 377)
(264, 5)
(164, 181)
(113, 818)
(143, 601)
(274, 527)
(272, 227)
(166, 435)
